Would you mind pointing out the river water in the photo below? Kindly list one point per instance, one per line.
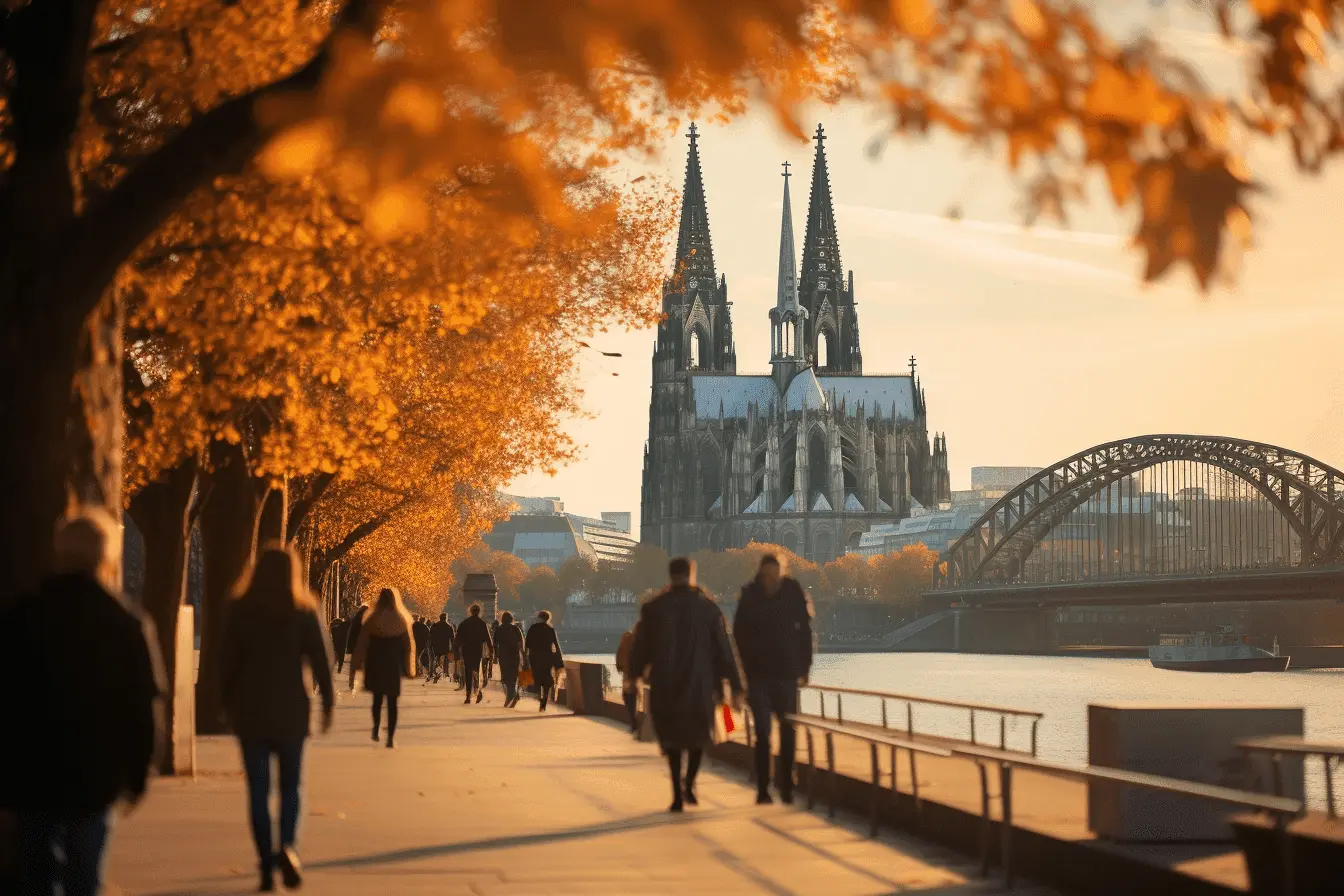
(1062, 688)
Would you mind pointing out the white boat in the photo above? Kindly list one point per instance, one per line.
(1225, 650)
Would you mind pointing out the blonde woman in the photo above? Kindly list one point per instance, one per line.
(270, 632)
(386, 654)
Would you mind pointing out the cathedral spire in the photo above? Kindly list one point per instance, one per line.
(821, 246)
(695, 253)
(786, 298)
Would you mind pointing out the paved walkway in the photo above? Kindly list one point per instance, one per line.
(482, 800)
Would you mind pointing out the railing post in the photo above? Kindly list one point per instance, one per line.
(877, 789)
(984, 820)
(909, 718)
(884, 712)
(1006, 811)
(811, 770)
(822, 696)
(1286, 884)
(1003, 732)
(894, 782)
(1329, 785)
(839, 707)
(972, 726)
(1034, 723)
(830, 767)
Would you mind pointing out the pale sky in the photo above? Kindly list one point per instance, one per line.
(1031, 344)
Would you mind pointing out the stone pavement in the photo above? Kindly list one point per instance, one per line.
(482, 800)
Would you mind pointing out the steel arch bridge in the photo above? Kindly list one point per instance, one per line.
(1308, 494)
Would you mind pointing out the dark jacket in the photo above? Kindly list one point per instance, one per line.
(473, 636)
(543, 653)
(354, 627)
(261, 668)
(774, 632)
(509, 650)
(420, 632)
(681, 649)
(441, 638)
(384, 652)
(339, 633)
(83, 676)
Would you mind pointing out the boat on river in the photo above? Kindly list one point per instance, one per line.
(1222, 650)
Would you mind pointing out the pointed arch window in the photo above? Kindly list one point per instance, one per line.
(697, 350)
(825, 349)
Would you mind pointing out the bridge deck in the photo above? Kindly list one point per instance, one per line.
(482, 800)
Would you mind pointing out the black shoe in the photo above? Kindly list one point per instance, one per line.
(466, 701)
(389, 741)
(763, 799)
(689, 795)
(291, 871)
(676, 806)
(267, 879)
(786, 797)
(375, 735)
(480, 695)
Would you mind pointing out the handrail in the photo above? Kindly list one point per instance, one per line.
(1279, 744)
(910, 700)
(1281, 807)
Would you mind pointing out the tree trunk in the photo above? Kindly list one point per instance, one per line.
(162, 512)
(227, 520)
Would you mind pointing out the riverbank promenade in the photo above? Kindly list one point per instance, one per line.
(483, 800)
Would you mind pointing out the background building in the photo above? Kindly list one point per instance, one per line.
(540, 533)
(808, 456)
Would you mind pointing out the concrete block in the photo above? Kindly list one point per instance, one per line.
(583, 687)
(1193, 743)
(183, 683)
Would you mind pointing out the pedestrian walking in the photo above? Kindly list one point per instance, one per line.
(340, 630)
(629, 693)
(420, 634)
(773, 630)
(441, 644)
(509, 650)
(271, 631)
(473, 642)
(682, 647)
(544, 656)
(384, 653)
(352, 633)
(76, 744)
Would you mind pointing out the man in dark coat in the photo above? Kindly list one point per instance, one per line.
(340, 627)
(473, 640)
(544, 656)
(773, 629)
(77, 743)
(420, 634)
(441, 643)
(682, 650)
(352, 630)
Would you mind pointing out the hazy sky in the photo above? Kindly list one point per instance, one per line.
(1031, 344)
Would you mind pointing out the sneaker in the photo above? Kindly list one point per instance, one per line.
(291, 871)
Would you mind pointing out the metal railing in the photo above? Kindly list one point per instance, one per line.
(1282, 808)
(1003, 713)
(1279, 745)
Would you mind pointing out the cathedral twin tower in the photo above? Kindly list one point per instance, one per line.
(808, 456)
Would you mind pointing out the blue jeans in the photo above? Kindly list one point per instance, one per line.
(257, 763)
(777, 698)
(78, 837)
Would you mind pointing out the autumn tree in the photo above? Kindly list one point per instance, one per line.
(114, 112)
(901, 577)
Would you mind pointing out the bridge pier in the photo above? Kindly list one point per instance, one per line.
(1028, 630)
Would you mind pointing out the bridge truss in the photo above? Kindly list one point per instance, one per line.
(1221, 490)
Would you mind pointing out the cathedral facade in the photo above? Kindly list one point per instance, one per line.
(808, 456)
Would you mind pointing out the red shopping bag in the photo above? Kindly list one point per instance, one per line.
(729, 726)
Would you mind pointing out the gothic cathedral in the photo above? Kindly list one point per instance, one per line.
(808, 456)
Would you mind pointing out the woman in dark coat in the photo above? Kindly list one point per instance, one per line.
(271, 631)
(543, 655)
(385, 654)
(509, 649)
